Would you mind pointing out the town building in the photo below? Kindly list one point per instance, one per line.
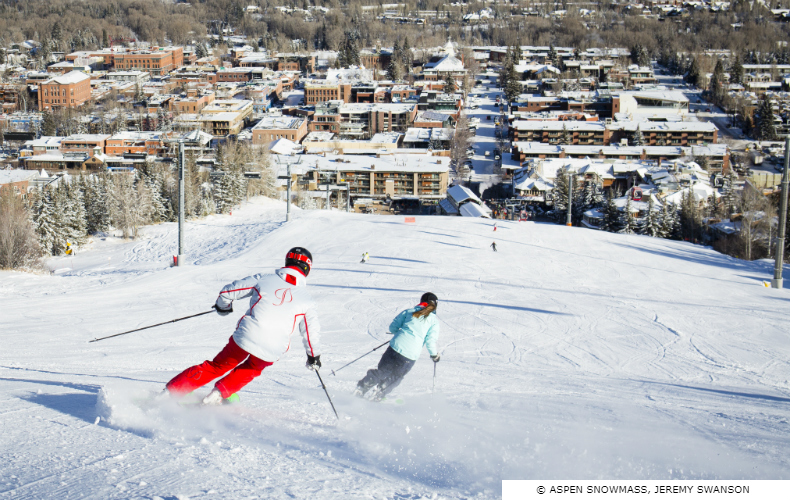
(68, 91)
(271, 128)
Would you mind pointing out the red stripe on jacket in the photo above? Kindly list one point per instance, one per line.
(307, 332)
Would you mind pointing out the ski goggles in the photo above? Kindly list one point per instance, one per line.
(300, 258)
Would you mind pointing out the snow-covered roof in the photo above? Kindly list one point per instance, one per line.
(474, 210)
(461, 194)
(284, 147)
(282, 122)
(446, 63)
(384, 163)
(70, 77)
(17, 175)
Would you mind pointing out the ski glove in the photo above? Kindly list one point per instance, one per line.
(313, 363)
(436, 358)
(223, 312)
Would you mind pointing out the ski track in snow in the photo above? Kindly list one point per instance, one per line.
(568, 353)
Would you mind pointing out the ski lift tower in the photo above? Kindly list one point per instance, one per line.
(181, 167)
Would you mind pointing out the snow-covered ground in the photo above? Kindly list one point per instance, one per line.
(569, 353)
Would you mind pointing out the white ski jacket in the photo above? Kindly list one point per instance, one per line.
(278, 303)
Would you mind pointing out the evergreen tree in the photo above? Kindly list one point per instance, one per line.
(56, 34)
(651, 224)
(45, 223)
(694, 75)
(552, 57)
(564, 136)
(97, 218)
(611, 216)
(639, 138)
(512, 86)
(517, 54)
(628, 224)
(505, 73)
(407, 55)
(718, 85)
(449, 84)
(104, 40)
(559, 194)
(72, 212)
(736, 71)
(690, 216)
(764, 126)
(592, 196)
(48, 126)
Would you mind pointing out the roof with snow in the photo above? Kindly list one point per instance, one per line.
(70, 77)
(17, 175)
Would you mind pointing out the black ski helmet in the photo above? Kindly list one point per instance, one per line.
(430, 299)
(299, 258)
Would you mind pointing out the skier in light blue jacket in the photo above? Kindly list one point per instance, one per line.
(413, 328)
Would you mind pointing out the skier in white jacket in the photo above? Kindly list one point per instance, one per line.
(279, 303)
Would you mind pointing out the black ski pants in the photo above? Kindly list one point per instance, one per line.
(393, 366)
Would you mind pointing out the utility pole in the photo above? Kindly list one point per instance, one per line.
(570, 197)
(181, 168)
(780, 240)
(288, 194)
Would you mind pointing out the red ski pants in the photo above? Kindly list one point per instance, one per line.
(244, 366)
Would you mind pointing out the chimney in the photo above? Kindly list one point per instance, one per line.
(373, 167)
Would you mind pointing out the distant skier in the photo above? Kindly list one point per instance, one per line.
(493, 245)
(365, 257)
(279, 302)
(494, 226)
(412, 328)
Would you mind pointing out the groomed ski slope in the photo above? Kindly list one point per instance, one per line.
(567, 354)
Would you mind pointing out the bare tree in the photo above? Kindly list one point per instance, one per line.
(756, 221)
(19, 247)
(130, 204)
(461, 141)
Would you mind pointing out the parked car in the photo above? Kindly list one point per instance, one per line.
(488, 117)
(487, 153)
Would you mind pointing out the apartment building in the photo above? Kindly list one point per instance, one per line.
(556, 132)
(602, 134)
(384, 177)
(149, 143)
(361, 121)
(193, 102)
(717, 155)
(665, 133)
(68, 91)
(84, 143)
(157, 61)
(318, 91)
(225, 117)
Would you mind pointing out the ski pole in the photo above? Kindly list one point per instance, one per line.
(327, 393)
(434, 378)
(345, 365)
(146, 327)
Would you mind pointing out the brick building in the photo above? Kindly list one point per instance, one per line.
(157, 61)
(84, 143)
(68, 91)
(271, 128)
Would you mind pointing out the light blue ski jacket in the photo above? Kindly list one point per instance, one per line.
(412, 333)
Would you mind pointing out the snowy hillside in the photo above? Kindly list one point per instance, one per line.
(569, 353)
